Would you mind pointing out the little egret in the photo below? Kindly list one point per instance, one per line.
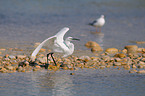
(98, 23)
(57, 44)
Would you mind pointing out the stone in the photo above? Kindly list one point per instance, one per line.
(12, 57)
(2, 49)
(42, 60)
(134, 66)
(117, 64)
(111, 50)
(42, 50)
(102, 67)
(21, 56)
(141, 71)
(72, 73)
(91, 44)
(124, 51)
(140, 49)
(133, 71)
(96, 49)
(9, 67)
(118, 59)
(131, 49)
(120, 55)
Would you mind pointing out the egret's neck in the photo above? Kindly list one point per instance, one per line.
(67, 43)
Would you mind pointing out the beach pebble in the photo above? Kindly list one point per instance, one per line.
(21, 56)
(72, 73)
(124, 51)
(131, 49)
(3, 70)
(120, 55)
(118, 59)
(9, 67)
(134, 66)
(91, 44)
(42, 60)
(117, 64)
(141, 71)
(42, 50)
(101, 67)
(2, 49)
(12, 57)
(111, 50)
(133, 71)
(96, 49)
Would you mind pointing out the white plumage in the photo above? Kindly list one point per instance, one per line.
(98, 23)
(57, 44)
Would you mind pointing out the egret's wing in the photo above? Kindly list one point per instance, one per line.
(50, 42)
(61, 34)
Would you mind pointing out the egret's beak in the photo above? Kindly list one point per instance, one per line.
(75, 39)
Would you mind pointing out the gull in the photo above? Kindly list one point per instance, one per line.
(57, 44)
(98, 23)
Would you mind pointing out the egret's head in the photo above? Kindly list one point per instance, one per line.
(71, 38)
(102, 16)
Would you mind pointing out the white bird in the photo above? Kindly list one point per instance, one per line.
(98, 23)
(57, 44)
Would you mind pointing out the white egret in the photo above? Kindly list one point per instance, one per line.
(57, 44)
(98, 23)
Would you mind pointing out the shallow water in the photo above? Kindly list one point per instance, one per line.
(87, 82)
(33, 21)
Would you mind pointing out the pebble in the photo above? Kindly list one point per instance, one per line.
(21, 56)
(111, 50)
(141, 71)
(117, 64)
(22, 63)
(131, 49)
(92, 44)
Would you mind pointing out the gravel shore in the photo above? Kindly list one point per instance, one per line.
(131, 58)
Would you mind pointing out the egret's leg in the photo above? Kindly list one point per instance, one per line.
(53, 59)
(47, 57)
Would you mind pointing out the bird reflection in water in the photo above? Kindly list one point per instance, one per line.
(54, 84)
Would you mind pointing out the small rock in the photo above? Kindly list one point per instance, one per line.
(12, 57)
(91, 44)
(117, 64)
(42, 50)
(118, 59)
(3, 70)
(9, 67)
(72, 73)
(111, 50)
(42, 60)
(133, 71)
(131, 49)
(2, 49)
(141, 71)
(124, 51)
(134, 66)
(96, 49)
(120, 55)
(102, 67)
(21, 56)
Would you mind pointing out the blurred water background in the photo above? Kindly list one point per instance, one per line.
(24, 22)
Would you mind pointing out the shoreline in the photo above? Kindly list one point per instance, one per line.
(18, 60)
